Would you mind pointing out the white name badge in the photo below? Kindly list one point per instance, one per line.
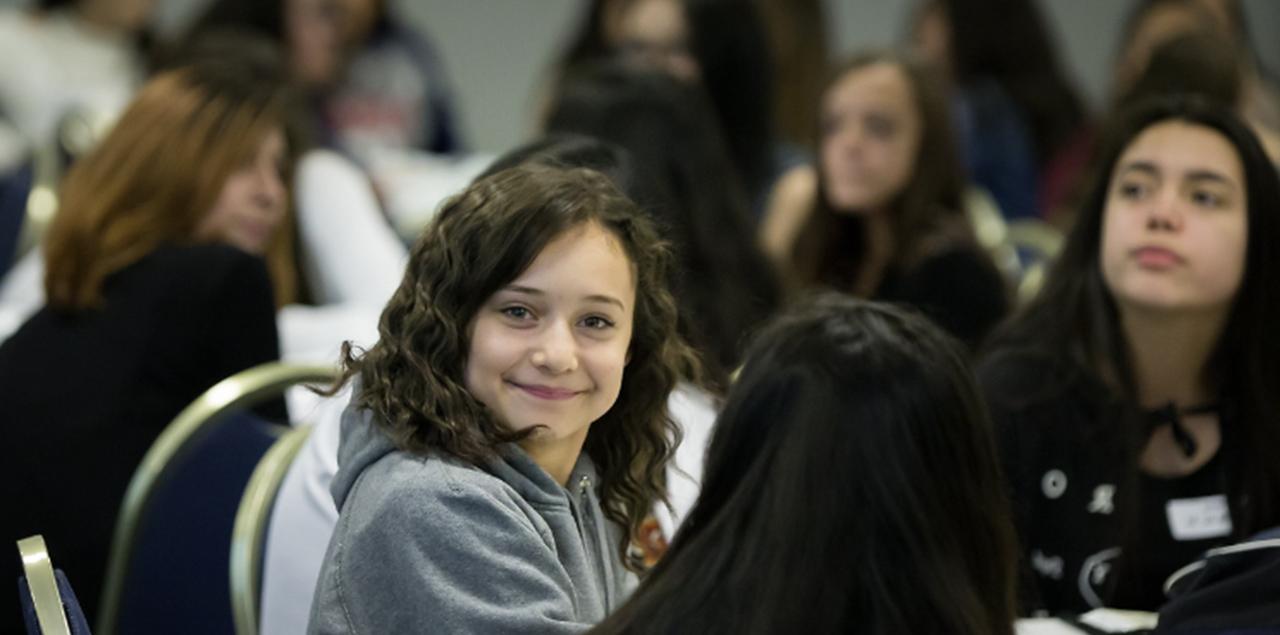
(1199, 518)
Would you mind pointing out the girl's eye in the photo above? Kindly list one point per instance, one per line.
(829, 125)
(1131, 189)
(880, 127)
(596, 322)
(1205, 198)
(517, 312)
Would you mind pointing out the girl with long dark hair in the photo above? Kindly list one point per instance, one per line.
(508, 434)
(1136, 396)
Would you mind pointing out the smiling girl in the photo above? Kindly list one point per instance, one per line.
(1136, 395)
(508, 433)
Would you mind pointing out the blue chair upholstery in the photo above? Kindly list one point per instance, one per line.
(177, 580)
(76, 621)
(14, 189)
(170, 557)
(248, 542)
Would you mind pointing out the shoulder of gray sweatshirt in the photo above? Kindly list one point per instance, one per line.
(435, 544)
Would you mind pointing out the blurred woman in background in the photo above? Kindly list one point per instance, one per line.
(1023, 128)
(719, 44)
(1152, 23)
(70, 57)
(880, 215)
(374, 83)
(156, 288)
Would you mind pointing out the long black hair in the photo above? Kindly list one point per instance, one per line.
(725, 285)
(571, 151)
(1075, 316)
(732, 48)
(852, 485)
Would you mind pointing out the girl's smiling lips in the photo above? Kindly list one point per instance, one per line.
(546, 392)
(1153, 257)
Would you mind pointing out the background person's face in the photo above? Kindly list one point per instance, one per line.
(654, 33)
(252, 202)
(315, 32)
(870, 137)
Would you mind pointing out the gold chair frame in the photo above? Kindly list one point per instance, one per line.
(44, 586)
(252, 518)
(1041, 237)
(242, 390)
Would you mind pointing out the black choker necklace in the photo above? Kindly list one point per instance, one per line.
(1171, 415)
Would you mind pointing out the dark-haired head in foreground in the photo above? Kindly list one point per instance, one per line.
(852, 486)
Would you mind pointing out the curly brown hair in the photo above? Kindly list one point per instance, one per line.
(482, 239)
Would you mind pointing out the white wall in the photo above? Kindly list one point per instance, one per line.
(499, 51)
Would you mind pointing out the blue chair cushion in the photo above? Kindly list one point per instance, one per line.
(70, 606)
(178, 577)
(14, 189)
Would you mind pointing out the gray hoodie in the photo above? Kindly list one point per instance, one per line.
(432, 544)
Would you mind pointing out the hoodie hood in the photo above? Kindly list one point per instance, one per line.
(363, 443)
(563, 570)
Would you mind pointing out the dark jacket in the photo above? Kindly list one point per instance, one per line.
(85, 393)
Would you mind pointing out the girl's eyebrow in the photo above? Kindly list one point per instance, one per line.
(597, 298)
(1145, 167)
(1210, 175)
(1195, 174)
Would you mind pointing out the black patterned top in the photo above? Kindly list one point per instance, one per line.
(1094, 530)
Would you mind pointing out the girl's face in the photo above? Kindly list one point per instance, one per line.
(549, 348)
(315, 31)
(653, 32)
(871, 131)
(252, 202)
(1175, 226)
(932, 36)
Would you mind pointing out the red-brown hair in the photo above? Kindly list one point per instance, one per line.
(156, 174)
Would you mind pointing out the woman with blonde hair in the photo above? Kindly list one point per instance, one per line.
(156, 290)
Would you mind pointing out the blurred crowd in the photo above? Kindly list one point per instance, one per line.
(965, 346)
